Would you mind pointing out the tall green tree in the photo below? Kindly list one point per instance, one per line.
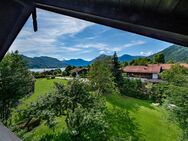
(159, 58)
(117, 73)
(16, 82)
(101, 77)
(141, 61)
(125, 64)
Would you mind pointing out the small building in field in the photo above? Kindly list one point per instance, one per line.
(77, 72)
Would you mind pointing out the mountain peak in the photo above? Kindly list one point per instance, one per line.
(127, 58)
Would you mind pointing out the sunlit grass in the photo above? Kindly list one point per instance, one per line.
(152, 121)
(42, 87)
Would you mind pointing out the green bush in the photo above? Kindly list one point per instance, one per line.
(38, 75)
(134, 88)
(87, 124)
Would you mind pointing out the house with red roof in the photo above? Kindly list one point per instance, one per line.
(148, 72)
(151, 71)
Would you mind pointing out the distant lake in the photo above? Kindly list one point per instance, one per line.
(45, 69)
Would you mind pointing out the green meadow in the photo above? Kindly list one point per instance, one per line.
(152, 122)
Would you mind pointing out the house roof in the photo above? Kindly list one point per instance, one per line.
(142, 69)
(78, 69)
(163, 66)
(168, 66)
(150, 68)
(184, 65)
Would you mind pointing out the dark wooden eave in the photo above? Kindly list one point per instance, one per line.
(161, 19)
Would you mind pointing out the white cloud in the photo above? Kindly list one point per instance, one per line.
(98, 46)
(146, 53)
(51, 27)
(102, 52)
(106, 48)
(70, 49)
(134, 43)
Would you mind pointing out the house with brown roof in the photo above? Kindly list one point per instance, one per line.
(151, 71)
(148, 72)
(76, 72)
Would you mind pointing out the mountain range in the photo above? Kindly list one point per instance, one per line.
(49, 62)
(175, 53)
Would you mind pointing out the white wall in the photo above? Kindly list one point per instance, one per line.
(155, 76)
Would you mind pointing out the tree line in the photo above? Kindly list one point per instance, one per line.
(157, 59)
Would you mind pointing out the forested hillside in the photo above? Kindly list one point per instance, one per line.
(43, 62)
(175, 53)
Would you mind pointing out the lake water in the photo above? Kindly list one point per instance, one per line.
(45, 69)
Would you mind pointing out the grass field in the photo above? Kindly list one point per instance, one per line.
(44, 86)
(151, 121)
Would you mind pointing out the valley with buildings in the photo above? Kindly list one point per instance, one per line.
(134, 104)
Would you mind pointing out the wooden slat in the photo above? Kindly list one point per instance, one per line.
(166, 6)
(151, 5)
(181, 9)
(137, 5)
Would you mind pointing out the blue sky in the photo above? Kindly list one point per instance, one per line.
(65, 37)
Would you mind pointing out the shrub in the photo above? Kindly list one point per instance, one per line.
(38, 75)
(87, 124)
(134, 88)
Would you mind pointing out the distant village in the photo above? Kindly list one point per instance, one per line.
(146, 73)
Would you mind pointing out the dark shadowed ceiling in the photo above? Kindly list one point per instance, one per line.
(161, 19)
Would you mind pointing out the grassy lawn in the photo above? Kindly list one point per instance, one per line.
(42, 86)
(151, 121)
